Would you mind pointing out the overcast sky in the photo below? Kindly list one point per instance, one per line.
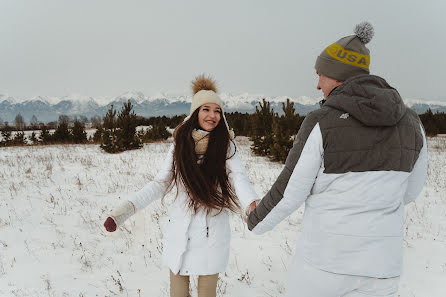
(108, 47)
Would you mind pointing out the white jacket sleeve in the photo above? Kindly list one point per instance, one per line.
(239, 180)
(124, 211)
(300, 183)
(417, 177)
(158, 187)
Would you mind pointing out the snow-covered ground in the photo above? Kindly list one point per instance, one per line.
(54, 199)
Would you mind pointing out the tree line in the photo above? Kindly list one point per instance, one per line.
(272, 134)
(434, 123)
(118, 131)
(114, 133)
(62, 134)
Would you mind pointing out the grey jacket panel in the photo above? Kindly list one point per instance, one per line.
(275, 194)
(369, 99)
(369, 128)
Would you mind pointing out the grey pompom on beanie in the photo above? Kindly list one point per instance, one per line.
(348, 56)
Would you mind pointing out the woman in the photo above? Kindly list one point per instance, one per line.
(211, 182)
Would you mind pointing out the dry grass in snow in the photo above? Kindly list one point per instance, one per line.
(54, 200)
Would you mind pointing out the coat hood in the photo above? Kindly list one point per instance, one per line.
(369, 99)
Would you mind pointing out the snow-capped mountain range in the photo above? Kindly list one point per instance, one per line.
(49, 108)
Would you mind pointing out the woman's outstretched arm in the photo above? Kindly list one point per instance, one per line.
(155, 189)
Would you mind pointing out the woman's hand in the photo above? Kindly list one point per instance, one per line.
(119, 215)
(251, 207)
(110, 224)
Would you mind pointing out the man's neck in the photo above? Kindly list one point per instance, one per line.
(322, 102)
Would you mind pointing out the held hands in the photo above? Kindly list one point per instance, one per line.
(250, 208)
(110, 224)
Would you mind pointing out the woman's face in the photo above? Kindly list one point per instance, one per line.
(209, 116)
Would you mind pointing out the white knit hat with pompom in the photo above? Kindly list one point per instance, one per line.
(205, 91)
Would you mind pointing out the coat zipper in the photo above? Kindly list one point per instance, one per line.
(207, 224)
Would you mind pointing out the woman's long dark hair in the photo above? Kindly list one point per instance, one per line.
(206, 183)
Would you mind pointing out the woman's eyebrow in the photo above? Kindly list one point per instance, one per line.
(207, 106)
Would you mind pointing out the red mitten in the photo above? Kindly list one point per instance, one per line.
(110, 224)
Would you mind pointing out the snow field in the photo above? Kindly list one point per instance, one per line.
(54, 200)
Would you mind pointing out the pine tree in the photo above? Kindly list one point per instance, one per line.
(98, 134)
(78, 132)
(283, 128)
(127, 124)
(176, 120)
(33, 138)
(62, 134)
(19, 138)
(6, 135)
(440, 120)
(240, 122)
(109, 137)
(261, 135)
(157, 132)
(429, 123)
(45, 137)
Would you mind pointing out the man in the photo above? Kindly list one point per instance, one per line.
(355, 163)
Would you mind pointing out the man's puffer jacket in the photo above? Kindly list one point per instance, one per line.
(355, 163)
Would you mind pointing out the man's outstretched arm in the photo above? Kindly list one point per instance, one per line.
(294, 184)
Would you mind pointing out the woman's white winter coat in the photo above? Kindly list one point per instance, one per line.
(208, 252)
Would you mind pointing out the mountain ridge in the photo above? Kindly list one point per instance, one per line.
(47, 108)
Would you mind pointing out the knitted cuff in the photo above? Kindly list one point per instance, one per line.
(123, 212)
